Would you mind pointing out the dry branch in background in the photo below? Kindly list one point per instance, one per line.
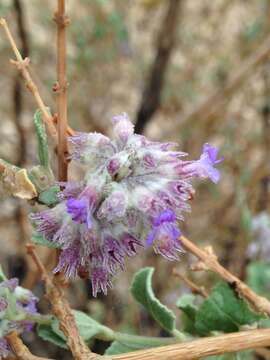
(152, 92)
(201, 348)
(195, 289)
(211, 104)
(17, 88)
(63, 312)
(208, 261)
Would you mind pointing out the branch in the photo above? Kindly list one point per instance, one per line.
(23, 65)
(195, 289)
(61, 88)
(152, 92)
(63, 312)
(211, 104)
(17, 88)
(20, 350)
(201, 348)
(209, 261)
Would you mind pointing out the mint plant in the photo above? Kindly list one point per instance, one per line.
(133, 195)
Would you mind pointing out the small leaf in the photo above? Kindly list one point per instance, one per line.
(49, 196)
(46, 333)
(2, 275)
(258, 277)
(243, 355)
(224, 311)
(186, 304)
(87, 326)
(43, 149)
(141, 290)
(40, 240)
(118, 348)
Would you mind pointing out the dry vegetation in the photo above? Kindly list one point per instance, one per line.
(216, 89)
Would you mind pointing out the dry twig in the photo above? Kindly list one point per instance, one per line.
(23, 66)
(20, 350)
(211, 104)
(63, 312)
(201, 348)
(209, 261)
(200, 290)
(60, 88)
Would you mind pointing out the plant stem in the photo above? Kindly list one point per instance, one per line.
(144, 340)
(40, 319)
(209, 261)
(204, 347)
(19, 349)
(61, 88)
(63, 312)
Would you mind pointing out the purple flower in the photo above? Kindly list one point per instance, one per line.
(5, 349)
(165, 235)
(133, 194)
(114, 206)
(205, 166)
(16, 302)
(130, 244)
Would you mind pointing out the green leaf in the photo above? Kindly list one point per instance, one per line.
(43, 149)
(47, 334)
(49, 196)
(141, 289)
(243, 355)
(117, 347)
(2, 274)
(126, 343)
(186, 304)
(258, 277)
(223, 311)
(87, 326)
(40, 240)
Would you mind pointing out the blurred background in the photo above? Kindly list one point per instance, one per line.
(184, 70)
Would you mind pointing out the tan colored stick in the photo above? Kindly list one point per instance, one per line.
(201, 348)
(209, 261)
(62, 311)
(200, 290)
(19, 349)
(23, 65)
(61, 89)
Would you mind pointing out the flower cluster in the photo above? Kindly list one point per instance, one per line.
(17, 306)
(133, 194)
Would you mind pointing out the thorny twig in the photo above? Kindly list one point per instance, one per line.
(200, 290)
(208, 261)
(60, 88)
(23, 66)
(20, 350)
(63, 312)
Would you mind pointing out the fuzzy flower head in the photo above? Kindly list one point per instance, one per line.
(17, 305)
(133, 194)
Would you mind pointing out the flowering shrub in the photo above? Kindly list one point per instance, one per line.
(17, 311)
(133, 193)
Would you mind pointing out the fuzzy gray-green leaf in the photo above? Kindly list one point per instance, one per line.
(142, 291)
